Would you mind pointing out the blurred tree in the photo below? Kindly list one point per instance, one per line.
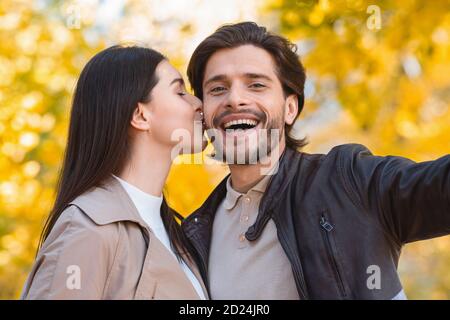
(41, 54)
(378, 73)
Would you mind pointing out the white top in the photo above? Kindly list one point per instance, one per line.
(148, 207)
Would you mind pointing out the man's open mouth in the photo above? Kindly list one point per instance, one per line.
(240, 124)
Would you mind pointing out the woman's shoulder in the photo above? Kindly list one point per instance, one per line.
(74, 225)
(75, 244)
(108, 203)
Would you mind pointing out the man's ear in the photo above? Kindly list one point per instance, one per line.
(140, 120)
(291, 109)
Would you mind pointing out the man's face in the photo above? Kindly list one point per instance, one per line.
(244, 101)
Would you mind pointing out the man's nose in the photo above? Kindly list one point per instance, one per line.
(236, 98)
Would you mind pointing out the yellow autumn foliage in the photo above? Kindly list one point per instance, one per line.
(377, 75)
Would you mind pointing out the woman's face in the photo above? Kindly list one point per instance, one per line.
(176, 118)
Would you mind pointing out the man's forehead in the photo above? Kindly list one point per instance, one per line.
(240, 61)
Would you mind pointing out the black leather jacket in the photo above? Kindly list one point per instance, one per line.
(338, 215)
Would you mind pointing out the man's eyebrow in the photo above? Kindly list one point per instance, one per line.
(179, 80)
(251, 75)
(219, 77)
(258, 76)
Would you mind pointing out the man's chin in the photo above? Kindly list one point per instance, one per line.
(230, 157)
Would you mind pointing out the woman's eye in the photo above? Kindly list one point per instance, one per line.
(182, 92)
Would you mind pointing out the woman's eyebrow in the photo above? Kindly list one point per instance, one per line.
(177, 80)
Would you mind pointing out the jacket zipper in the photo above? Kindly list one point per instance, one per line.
(328, 227)
(298, 273)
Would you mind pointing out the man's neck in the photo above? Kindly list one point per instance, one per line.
(245, 177)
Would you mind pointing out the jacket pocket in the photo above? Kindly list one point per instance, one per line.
(327, 236)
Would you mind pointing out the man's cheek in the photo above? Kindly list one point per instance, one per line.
(209, 116)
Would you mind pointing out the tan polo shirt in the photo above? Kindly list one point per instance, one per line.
(238, 268)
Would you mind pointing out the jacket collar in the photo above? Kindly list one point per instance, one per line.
(108, 203)
(273, 187)
(288, 167)
(198, 225)
(233, 196)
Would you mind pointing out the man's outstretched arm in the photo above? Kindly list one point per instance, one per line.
(411, 199)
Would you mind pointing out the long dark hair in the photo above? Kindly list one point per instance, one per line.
(290, 70)
(107, 93)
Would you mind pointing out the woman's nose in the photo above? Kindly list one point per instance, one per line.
(197, 103)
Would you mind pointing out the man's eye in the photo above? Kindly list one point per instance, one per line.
(257, 85)
(217, 89)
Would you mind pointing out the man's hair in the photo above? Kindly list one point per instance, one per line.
(289, 69)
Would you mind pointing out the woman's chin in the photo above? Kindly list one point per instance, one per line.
(195, 148)
(204, 143)
(200, 147)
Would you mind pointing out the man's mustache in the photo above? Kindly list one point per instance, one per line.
(260, 115)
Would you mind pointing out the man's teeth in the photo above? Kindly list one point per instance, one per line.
(241, 121)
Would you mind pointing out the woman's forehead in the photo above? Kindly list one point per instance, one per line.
(166, 72)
